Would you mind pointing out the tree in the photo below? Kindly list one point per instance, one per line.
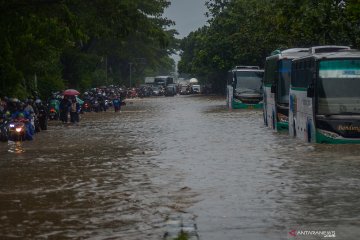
(244, 32)
(64, 42)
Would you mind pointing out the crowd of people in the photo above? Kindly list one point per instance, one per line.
(29, 111)
(34, 113)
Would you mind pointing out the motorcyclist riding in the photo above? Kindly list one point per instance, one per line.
(20, 115)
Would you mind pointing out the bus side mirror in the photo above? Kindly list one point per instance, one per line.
(310, 91)
(273, 88)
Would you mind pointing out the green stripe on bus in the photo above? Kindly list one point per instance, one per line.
(282, 126)
(238, 105)
(344, 64)
(321, 138)
(299, 89)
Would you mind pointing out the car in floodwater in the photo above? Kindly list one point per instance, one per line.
(185, 90)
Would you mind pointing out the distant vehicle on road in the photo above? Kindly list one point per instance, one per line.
(170, 91)
(163, 80)
(149, 80)
(157, 91)
(185, 90)
(196, 89)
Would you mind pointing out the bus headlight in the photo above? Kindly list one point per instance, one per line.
(282, 117)
(328, 134)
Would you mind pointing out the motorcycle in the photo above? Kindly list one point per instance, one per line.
(96, 106)
(17, 131)
(42, 119)
(37, 124)
(108, 104)
(86, 107)
(53, 115)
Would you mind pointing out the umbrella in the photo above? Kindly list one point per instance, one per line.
(71, 92)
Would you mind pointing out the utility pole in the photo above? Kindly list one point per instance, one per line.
(106, 71)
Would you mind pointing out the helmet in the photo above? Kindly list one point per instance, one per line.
(38, 101)
(21, 115)
(14, 100)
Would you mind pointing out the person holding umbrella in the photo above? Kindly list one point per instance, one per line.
(74, 110)
(65, 104)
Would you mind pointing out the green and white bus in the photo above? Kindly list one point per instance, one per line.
(244, 87)
(276, 87)
(325, 96)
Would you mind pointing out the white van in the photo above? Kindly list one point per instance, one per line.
(196, 89)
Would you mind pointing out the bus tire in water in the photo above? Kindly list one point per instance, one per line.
(273, 120)
(265, 119)
(308, 128)
(294, 129)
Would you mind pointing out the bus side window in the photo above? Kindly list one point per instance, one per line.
(233, 82)
(307, 73)
(313, 69)
(293, 73)
(301, 74)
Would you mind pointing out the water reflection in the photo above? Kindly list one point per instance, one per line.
(16, 147)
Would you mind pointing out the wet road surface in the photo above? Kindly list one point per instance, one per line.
(169, 164)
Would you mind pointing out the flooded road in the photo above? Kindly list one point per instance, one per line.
(180, 163)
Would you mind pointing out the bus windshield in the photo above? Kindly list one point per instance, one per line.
(338, 87)
(160, 80)
(249, 80)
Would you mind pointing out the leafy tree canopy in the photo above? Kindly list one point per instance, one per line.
(48, 45)
(244, 32)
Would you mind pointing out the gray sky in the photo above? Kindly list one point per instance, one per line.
(187, 14)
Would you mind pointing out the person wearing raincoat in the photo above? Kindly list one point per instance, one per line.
(21, 115)
(117, 103)
(65, 105)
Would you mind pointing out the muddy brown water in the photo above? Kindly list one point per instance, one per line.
(176, 163)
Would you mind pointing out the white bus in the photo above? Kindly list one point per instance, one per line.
(244, 87)
(276, 87)
(325, 96)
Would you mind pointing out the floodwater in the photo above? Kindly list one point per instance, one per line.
(170, 164)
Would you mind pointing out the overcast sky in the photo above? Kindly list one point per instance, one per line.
(188, 15)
